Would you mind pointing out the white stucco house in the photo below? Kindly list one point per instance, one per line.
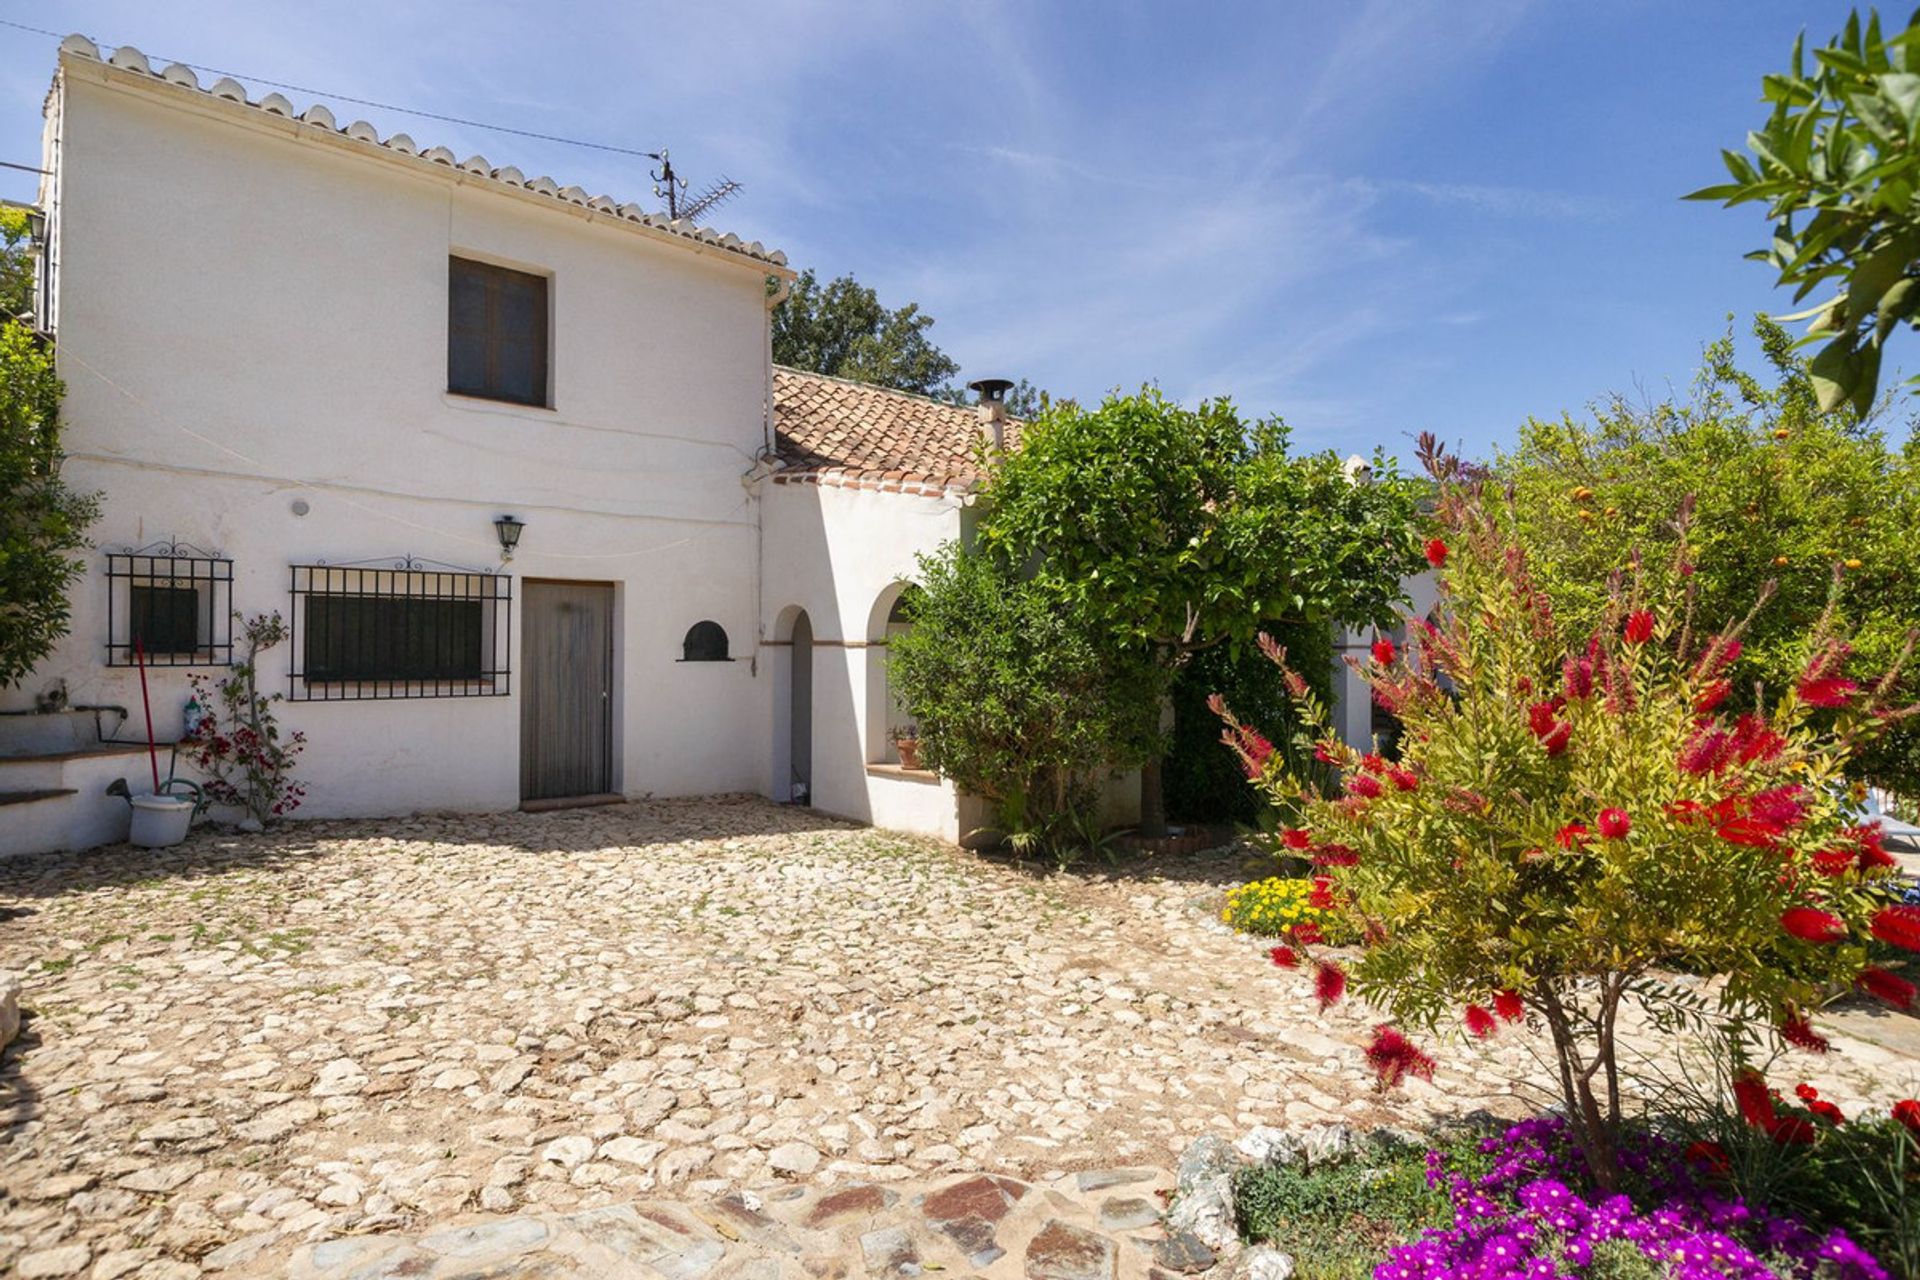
(319, 371)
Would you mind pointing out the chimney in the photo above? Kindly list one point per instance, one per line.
(992, 408)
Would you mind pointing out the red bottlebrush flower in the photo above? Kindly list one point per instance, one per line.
(1754, 833)
(1576, 677)
(1479, 1020)
(1779, 806)
(1296, 683)
(1320, 897)
(1364, 785)
(1869, 845)
(1639, 628)
(1328, 752)
(1805, 1092)
(1523, 686)
(1296, 838)
(1557, 741)
(1712, 696)
(1754, 740)
(1907, 1112)
(1255, 751)
(1372, 763)
(1720, 655)
(1898, 926)
(1706, 752)
(1709, 1157)
(1285, 957)
(1797, 1031)
(1307, 934)
(1329, 983)
(1793, 1131)
(1335, 855)
(1541, 717)
(1827, 1111)
(1509, 1006)
(1571, 836)
(1383, 651)
(1756, 1104)
(1810, 924)
(1687, 811)
(1393, 1057)
(1828, 691)
(1404, 779)
(1436, 553)
(1217, 703)
(1614, 824)
(1833, 862)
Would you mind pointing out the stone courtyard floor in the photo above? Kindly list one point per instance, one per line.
(251, 1044)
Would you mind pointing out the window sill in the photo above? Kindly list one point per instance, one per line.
(904, 774)
(488, 404)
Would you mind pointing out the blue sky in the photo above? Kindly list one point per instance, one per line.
(1371, 218)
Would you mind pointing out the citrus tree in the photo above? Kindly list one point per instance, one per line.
(1570, 817)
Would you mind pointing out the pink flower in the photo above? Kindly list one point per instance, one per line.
(1436, 552)
(1383, 651)
(1615, 824)
(1576, 676)
(1639, 628)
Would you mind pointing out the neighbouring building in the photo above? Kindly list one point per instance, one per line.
(512, 460)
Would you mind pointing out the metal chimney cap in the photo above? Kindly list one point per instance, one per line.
(992, 390)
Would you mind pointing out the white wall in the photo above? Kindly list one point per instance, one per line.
(249, 318)
(1352, 708)
(840, 554)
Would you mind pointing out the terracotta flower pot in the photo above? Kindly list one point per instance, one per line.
(909, 753)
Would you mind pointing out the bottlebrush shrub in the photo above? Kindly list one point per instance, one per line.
(1571, 816)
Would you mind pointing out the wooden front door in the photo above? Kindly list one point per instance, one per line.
(566, 703)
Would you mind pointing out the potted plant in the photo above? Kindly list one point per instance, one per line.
(906, 740)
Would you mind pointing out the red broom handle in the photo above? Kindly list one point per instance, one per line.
(153, 756)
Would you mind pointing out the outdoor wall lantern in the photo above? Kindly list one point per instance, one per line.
(509, 530)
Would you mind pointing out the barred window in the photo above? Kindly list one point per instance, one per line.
(401, 632)
(169, 604)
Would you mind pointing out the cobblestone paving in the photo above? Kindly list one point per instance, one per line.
(251, 1043)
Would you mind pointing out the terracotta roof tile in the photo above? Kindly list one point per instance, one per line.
(841, 433)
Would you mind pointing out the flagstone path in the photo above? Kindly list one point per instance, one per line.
(249, 1045)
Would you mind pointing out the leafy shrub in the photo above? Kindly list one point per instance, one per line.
(1274, 907)
(1014, 701)
(1572, 815)
(237, 743)
(1204, 782)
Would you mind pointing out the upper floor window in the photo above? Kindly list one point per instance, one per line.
(496, 332)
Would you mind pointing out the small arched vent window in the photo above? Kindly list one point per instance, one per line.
(705, 642)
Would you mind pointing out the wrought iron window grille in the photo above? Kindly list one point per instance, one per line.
(399, 629)
(175, 600)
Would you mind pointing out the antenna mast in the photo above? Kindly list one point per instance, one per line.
(671, 187)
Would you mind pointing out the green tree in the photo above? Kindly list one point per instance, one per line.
(1784, 490)
(1013, 698)
(42, 521)
(1837, 163)
(1574, 815)
(841, 329)
(1169, 530)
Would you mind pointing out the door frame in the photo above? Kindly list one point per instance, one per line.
(615, 685)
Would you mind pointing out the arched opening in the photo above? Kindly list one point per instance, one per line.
(705, 642)
(888, 720)
(798, 784)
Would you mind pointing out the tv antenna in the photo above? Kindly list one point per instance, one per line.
(671, 187)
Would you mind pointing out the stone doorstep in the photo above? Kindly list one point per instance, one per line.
(985, 1225)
